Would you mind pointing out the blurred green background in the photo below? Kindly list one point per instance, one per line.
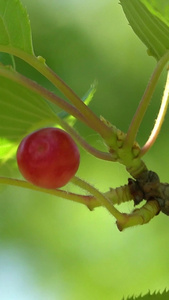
(55, 249)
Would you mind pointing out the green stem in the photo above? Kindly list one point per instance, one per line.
(33, 86)
(63, 104)
(159, 121)
(89, 201)
(78, 139)
(39, 64)
(100, 197)
(93, 120)
(138, 117)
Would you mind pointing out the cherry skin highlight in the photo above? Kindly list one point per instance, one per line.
(48, 158)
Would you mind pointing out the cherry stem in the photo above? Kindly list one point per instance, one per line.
(33, 86)
(78, 139)
(90, 201)
(159, 121)
(81, 109)
(63, 104)
(100, 197)
(93, 121)
(142, 108)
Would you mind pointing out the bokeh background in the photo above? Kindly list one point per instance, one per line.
(52, 248)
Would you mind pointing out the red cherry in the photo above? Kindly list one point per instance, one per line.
(48, 158)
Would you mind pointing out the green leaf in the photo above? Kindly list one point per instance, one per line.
(21, 111)
(7, 59)
(86, 99)
(90, 93)
(151, 296)
(15, 32)
(158, 8)
(149, 27)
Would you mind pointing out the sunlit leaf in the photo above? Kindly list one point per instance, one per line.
(159, 8)
(15, 32)
(90, 93)
(151, 29)
(21, 111)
